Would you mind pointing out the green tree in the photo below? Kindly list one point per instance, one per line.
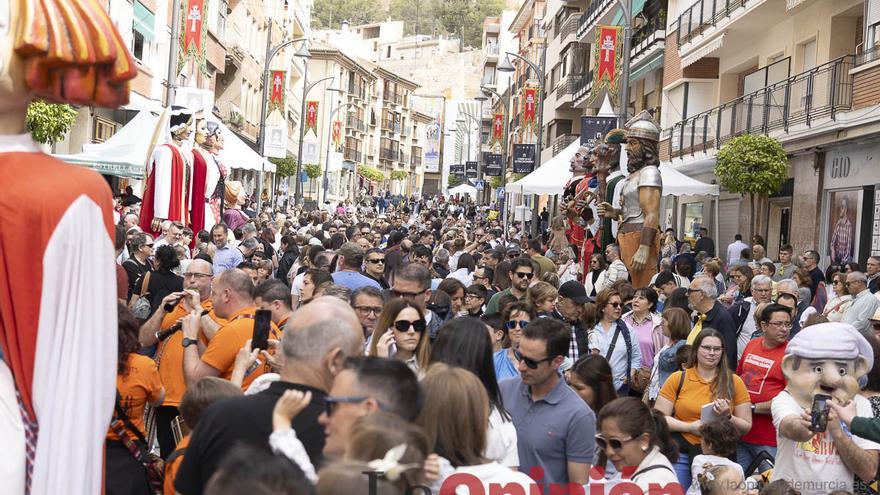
(465, 17)
(453, 180)
(417, 15)
(312, 171)
(284, 167)
(48, 123)
(329, 14)
(751, 164)
(399, 175)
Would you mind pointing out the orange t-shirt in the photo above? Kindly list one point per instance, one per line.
(171, 354)
(231, 337)
(696, 393)
(172, 467)
(137, 387)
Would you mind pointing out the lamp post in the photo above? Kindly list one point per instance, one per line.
(329, 143)
(626, 6)
(303, 52)
(506, 102)
(298, 195)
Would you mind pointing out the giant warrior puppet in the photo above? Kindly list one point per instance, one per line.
(58, 316)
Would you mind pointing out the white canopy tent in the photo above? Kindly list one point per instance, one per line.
(463, 189)
(126, 152)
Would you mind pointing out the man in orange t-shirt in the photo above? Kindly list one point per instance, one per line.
(233, 301)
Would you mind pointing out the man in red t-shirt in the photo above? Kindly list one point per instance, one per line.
(761, 371)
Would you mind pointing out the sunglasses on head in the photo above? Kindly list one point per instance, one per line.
(404, 325)
(531, 363)
(526, 275)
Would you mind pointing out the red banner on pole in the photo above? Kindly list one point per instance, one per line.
(530, 102)
(312, 117)
(497, 128)
(276, 96)
(337, 132)
(193, 34)
(607, 58)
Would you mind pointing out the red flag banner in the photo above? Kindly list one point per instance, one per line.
(530, 102)
(337, 132)
(607, 58)
(193, 34)
(276, 84)
(497, 128)
(312, 117)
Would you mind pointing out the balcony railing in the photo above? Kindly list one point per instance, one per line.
(647, 35)
(817, 93)
(416, 160)
(355, 123)
(562, 142)
(390, 97)
(568, 85)
(490, 50)
(702, 15)
(591, 15)
(404, 158)
(387, 125)
(569, 26)
(389, 154)
(583, 85)
(352, 154)
(356, 90)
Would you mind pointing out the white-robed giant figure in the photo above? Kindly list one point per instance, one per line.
(57, 287)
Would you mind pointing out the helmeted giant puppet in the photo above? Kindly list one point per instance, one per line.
(58, 323)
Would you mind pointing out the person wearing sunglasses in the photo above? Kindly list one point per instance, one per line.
(615, 340)
(400, 334)
(841, 299)
(521, 275)
(555, 428)
(374, 267)
(515, 318)
(632, 435)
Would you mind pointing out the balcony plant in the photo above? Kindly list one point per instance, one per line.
(752, 164)
(48, 123)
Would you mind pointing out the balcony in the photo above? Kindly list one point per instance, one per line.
(404, 158)
(352, 122)
(356, 91)
(583, 88)
(819, 93)
(648, 41)
(562, 142)
(590, 18)
(490, 52)
(387, 125)
(702, 15)
(352, 154)
(569, 28)
(566, 89)
(390, 98)
(389, 154)
(416, 156)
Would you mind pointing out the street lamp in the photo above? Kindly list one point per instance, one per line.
(303, 53)
(298, 194)
(505, 100)
(329, 143)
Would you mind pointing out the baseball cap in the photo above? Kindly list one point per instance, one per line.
(575, 291)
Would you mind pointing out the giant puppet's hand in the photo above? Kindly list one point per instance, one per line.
(605, 210)
(640, 259)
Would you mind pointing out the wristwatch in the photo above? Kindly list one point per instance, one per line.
(754, 408)
(188, 342)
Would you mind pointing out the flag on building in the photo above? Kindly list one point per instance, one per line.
(312, 117)
(193, 39)
(497, 129)
(607, 59)
(530, 102)
(276, 96)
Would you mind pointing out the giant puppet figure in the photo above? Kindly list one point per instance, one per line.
(168, 190)
(205, 178)
(58, 320)
(639, 212)
(575, 232)
(214, 144)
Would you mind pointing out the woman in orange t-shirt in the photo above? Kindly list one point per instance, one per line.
(706, 380)
(137, 384)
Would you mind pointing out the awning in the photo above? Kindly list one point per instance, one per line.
(655, 63)
(702, 51)
(124, 154)
(637, 6)
(463, 189)
(236, 154)
(144, 20)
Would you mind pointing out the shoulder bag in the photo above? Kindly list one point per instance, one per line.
(138, 448)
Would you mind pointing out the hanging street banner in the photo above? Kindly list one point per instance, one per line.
(276, 97)
(457, 169)
(607, 59)
(595, 128)
(530, 102)
(336, 135)
(523, 158)
(311, 150)
(276, 142)
(497, 129)
(431, 160)
(193, 39)
(312, 117)
(493, 165)
(470, 169)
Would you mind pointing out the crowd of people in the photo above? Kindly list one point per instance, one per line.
(420, 344)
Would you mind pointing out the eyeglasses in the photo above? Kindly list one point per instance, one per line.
(525, 275)
(711, 348)
(512, 324)
(365, 310)
(876, 325)
(780, 324)
(196, 275)
(472, 296)
(513, 255)
(531, 363)
(399, 293)
(376, 261)
(331, 403)
(615, 443)
(404, 325)
(693, 291)
(615, 304)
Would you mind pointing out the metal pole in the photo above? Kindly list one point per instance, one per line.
(171, 83)
(329, 143)
(263, 118)
(298, 192)
(626, 6)
(504, 154)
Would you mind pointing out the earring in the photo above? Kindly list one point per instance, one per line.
(644, 448)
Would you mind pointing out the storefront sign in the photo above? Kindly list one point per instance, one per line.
(595, 128)
(852, 165)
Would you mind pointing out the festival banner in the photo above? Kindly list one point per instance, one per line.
(457, 169)
(595, 128)
(497, 129)
(607, 59)
(470, 169)
(337, 132)
(312, 117)
(276, 96)
(530, 102)
(193, 39)
(493, 165)
(523, 158)
(431, 160)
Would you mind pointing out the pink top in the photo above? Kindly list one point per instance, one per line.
(649, 335)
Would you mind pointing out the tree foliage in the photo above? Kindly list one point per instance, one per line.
(399, 175)
(329, 14)
(453, 180)
(284, 167)
(48, 123)
(371, 173)
(313, 171)
(465, 17)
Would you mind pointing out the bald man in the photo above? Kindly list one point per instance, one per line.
(233, 301)
(317, 340)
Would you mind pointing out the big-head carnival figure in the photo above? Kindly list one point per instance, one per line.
(58, 322)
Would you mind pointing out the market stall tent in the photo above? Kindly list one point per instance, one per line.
(463, 189)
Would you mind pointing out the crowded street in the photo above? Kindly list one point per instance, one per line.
(374, 248)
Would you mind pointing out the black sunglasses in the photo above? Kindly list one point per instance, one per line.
(376, 261)
(524, 275)
(510, 325)
(531, 363)
(417, 325)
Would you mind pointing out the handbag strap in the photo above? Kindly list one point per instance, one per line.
(120, 414)
(613, 343)
(145, 283)
(678, 389)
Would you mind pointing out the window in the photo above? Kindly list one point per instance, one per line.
(143, 22)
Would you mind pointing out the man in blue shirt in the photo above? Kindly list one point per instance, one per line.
(555, 428)
(351, 257)
(226, 256)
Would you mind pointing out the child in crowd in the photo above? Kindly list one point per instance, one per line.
(721, 480)
(718, 442)
(542, 296)
(681, 357)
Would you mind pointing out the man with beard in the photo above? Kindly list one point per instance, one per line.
(575, 230)
(639, 212)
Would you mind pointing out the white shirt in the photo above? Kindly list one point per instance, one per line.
(463, 276)
(814, 465)
(501, 440)
(297, 286)
(493, 474)
(734, 249)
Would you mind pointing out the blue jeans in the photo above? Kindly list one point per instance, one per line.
(683, 470)
(747, 452)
